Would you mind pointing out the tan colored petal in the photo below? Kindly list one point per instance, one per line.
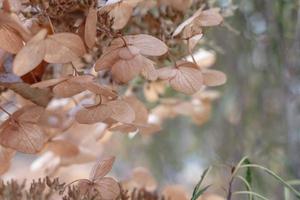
(128, 52)
(107, 60)
(90, 30)
(93, 114)
(29, 57)
(10, 40)
(124, 71)
(213, 77)
(21, 133)
(102, 168)
(148, 70)
(101, 89)
(147, 44)
(121, 111)
(12, 20)
(187, 80)
(187, 22)
(210, 17)
(141, 112)
(121, 14)
(63, 48)
(72, 86)
(109, 188)
(166, 73)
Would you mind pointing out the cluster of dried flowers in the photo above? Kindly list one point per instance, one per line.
(70, 74)
(141, 186)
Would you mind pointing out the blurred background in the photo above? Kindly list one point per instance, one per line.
(257, 114)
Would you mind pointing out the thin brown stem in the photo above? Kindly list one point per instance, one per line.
(75, 70)
(190, 52)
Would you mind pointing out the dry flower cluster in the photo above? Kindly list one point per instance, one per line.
(72, 72)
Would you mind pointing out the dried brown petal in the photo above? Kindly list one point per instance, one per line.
(10, 40)
(90, 30)
(125, 70)
(121, 111)
(148, 70)
(31, 55)
(102, 168)
(121, 15)
(147, 44)
(108, 188)
(187, 80)
(63, 48)
(166, 73)
(210, 17)
(141, 112)
(213, 77)
(93, 114)
(101, 89)
(72, 86)
(21, 131)
(128, 52)
(107, 60)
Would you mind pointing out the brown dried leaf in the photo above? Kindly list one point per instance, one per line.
(210, 17)
(31, 55)
(192, 26)
(187, 80)
(107, 60)
(166, 73)
(147, 44)
(121, 111)
(12, 20)
(90, 30)
(21, 131)
(213, 77)
(121, 14)
(38, 96)
(108, 188)
(10, 40)
(72, 86)
(101, 90)
(93, 114)
(125, 70)
(141, 112)
(63, 48)
(148, 70)
(102, 168)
